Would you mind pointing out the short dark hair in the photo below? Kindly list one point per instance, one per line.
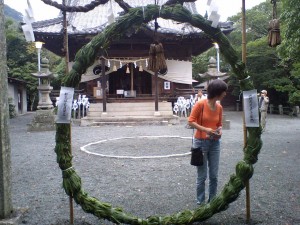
(216, 88)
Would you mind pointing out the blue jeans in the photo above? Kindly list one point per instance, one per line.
(211, 156)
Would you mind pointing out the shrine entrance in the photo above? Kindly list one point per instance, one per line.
(128, 81)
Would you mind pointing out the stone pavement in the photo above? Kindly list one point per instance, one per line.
(153, 186)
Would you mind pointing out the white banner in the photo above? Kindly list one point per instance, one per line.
(251, 108)
(65, 105)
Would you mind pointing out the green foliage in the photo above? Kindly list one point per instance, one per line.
(199, 66)
(290, 84)
(289, 50)
(11, 13)
(257, 23)
(19, 59)
(263, 64)
(278, 73)
(60, 71)
(22, 59)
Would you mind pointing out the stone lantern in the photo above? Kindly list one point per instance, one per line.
(44, 76)
(212, 72)
(44, 119)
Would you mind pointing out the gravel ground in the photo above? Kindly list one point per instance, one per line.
(153, 186)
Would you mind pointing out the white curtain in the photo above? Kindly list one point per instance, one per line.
(179, 72)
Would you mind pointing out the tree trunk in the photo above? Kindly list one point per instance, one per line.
(5, 160)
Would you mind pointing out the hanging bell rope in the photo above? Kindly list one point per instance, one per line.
(157, 59)
(274, 38)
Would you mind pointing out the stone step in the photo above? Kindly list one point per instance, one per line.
(130, 109)
(138, 106)
(128, 113)
(124, 109)
(129, 120)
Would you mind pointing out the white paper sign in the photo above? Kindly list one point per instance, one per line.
(65, 105)
(251, 108)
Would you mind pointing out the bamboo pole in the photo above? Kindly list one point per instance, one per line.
(244, 53)
(71, 197)
(66, 51)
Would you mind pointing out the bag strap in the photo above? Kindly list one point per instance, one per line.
(200, 123)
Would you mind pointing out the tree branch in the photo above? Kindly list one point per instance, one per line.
(174, 2)
(85, 8)
(123, 5)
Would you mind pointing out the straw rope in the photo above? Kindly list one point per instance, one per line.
(85, 57)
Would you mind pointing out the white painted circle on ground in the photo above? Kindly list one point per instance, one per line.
(84, 148)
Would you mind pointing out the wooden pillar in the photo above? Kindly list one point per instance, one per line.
(66, 39)
(156, 90)
(66, 52)
(103, 83)
(131, 77)
(5, 149)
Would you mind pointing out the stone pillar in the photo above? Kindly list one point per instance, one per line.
(297, 111)
(237, 106)
(280, 109)
(5, 150)
(271, 108)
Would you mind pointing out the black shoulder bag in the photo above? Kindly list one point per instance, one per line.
(196, 153)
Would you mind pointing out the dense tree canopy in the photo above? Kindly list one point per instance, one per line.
(290, 49)
(274, 69)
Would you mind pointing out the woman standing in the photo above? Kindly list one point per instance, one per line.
(206, 118)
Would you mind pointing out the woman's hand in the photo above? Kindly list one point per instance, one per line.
(218, 133)
(209, 131)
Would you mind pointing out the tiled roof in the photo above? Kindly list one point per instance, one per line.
(96, 20)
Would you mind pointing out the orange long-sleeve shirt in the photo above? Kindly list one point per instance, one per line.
(210, 118)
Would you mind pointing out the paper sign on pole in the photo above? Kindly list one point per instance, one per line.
(65, 105)
(251, 108)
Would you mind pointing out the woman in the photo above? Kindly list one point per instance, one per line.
(206, 118)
